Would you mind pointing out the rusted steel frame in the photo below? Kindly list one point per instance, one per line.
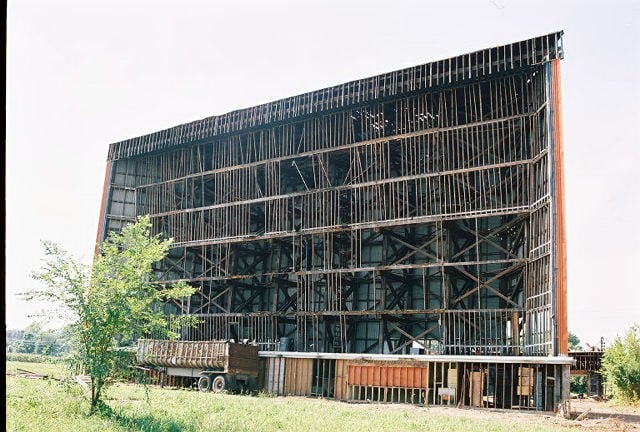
(415, 249)
(559, 204)
(356, 186)
(348, 270)
(357, 226)
(180, 304)
(485, 284)
(367, 88)
(321, 176)
(106, 190)
(542, 360)
(396, 294)
(410, 338)
(586, 361)
(355, 145)
(218, 264)
(205, 298)
(390, 312)
(486, 239)
(212, 300)
(244, 301)
(174, 264)
(496, 230)
(470, 326)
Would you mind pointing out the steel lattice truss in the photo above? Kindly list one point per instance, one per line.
(419, 208)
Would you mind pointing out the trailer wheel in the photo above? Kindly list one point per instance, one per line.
(204, 383)
(218, 384)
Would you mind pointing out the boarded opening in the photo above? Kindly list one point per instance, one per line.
(274, 375)
(298, 376)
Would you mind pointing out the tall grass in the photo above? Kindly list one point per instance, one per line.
(32, 358)
(48, 405)
(56, 370)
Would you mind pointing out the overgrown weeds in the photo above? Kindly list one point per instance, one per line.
(47, 405)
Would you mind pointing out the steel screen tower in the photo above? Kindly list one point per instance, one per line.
(420, 211)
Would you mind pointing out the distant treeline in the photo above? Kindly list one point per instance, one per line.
(36, 340)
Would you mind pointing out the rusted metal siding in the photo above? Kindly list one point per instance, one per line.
(182, 353)
(561, 240)
(201, 354)
(103, 205)
(157, 377)
(243, 359)
(383, 382)
(388, 376)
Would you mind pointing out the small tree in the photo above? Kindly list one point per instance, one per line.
(577, 384)
(112, 302)
(574, 342)
(621, 364)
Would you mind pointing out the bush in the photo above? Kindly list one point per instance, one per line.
(111, 302)
(578, 385)
(621, 365)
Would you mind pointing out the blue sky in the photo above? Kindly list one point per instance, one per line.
(84, 74)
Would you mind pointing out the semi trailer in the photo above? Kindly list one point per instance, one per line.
(214, 365)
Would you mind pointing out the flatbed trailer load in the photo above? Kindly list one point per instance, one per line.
(217, 365)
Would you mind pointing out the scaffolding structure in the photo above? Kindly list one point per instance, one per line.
(418, 211)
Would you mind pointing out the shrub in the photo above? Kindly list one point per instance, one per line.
(578, 385)
(621, 365)
(111, 302)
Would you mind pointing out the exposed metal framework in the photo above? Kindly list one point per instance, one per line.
(515, 382)
(589, 364)
(416, 211)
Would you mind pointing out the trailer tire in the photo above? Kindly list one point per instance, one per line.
(204, 383)
(219, 384)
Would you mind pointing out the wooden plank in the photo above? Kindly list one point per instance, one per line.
(340, 386)
(525, 381)
(452, 378)
(275, 375)
(298, 376)
(476, 388)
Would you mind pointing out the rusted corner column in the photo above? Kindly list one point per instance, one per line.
(102, 220)
(560, 237)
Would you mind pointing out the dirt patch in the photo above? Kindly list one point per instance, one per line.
(601, 416)
(605, 416)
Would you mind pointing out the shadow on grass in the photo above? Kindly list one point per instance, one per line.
(140, 423)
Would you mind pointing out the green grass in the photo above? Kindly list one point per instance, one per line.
(49, 405)
(32, 358)
(53, 369)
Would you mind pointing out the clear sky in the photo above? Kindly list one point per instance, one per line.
(83, 74)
